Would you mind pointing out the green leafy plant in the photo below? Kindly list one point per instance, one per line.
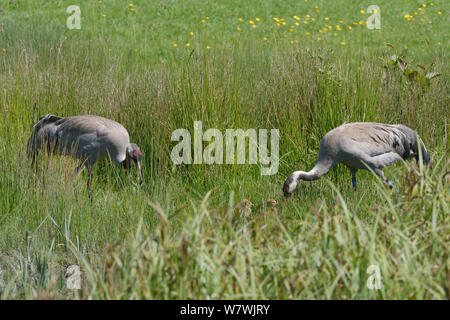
(421, 76)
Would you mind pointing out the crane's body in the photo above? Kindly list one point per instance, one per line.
(362, 145)
(85, 137)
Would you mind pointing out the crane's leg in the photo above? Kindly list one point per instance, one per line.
(380, 173)
(354, 180)
(89, 180)
(33, 158)
(77, 169)
(33, 161)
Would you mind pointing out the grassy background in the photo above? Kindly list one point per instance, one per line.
(178, 234)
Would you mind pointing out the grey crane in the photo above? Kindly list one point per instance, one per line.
(85, 137)
(359, 145)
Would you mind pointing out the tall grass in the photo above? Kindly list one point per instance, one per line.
(179, 234)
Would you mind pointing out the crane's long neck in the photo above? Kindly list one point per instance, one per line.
(321, 168)
(315, 173)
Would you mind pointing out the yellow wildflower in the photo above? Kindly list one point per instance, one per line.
(362, 12)
(191, 33)
(188, 44)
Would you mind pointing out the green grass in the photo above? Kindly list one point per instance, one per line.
(178, 235)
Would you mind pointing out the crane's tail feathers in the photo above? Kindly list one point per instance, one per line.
(48, 118)
(425, 155)
(32, 146)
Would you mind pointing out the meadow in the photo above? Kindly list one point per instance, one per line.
(302, 67)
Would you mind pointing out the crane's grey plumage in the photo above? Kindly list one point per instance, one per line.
(362, 144)
(85, 137)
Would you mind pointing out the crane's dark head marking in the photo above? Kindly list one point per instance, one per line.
(286, 187)
(134, 152)
(286, 192)
(290, 184)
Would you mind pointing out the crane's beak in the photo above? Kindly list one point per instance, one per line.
(139, 169)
